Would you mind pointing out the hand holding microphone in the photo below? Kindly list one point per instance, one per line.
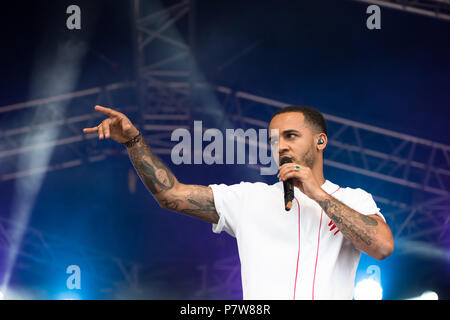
(294, 175)
(288, 186)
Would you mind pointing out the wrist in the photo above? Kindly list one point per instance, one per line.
(133, 141)
(321, 195)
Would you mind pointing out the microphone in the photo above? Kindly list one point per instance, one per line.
(288, 187)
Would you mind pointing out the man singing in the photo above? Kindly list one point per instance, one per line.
(311, 251)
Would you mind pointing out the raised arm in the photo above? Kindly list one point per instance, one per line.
(194, 200)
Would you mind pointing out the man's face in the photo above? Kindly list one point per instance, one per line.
(292, 138)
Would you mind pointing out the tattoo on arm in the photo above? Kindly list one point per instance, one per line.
(369, 221)
(154, 174)
(359, 228)
(196, 201)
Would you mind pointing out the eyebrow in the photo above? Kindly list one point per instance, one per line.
(287, 132)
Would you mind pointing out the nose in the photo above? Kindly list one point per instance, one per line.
(282, 147)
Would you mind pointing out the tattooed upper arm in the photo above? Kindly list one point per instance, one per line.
(194, 200)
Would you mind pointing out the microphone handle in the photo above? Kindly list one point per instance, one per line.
(288, 194)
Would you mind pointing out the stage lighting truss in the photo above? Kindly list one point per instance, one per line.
(219, 280)
(46, 255)
(420, 168)
(391, 158)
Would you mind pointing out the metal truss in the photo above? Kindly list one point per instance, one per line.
(220, 280)
(410, 164)
(163, 54)
(393, 158)
(150, 36)
(396, 160)
(375, 152)
(439, 9)
(71, 145)
(55, 254)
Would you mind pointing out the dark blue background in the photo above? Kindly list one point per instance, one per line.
(317, 53)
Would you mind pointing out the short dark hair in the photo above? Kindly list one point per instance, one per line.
(312, 116)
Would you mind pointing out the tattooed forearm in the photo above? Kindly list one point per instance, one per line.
(360, 229)
(194, 200)
(154, 174)
(197, 201)
(365, 232)
(369, 220)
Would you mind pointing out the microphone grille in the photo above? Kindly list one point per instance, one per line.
(285, 160)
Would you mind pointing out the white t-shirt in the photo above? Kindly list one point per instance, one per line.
(269, 239)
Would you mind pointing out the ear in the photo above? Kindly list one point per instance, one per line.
(321, 141)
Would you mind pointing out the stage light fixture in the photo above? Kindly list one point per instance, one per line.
(368, 289)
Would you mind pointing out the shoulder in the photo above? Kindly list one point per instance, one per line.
(360, 200)
(333, 188)
(244, 186)
(349, 195)
(356, 192)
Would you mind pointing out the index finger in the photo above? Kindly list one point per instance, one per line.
(108, 111)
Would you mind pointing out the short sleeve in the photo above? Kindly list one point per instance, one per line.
(363, 202)
(230, 204)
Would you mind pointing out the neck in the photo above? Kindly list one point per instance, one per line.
(317, 172)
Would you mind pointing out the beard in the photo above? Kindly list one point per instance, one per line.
(308, 158)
